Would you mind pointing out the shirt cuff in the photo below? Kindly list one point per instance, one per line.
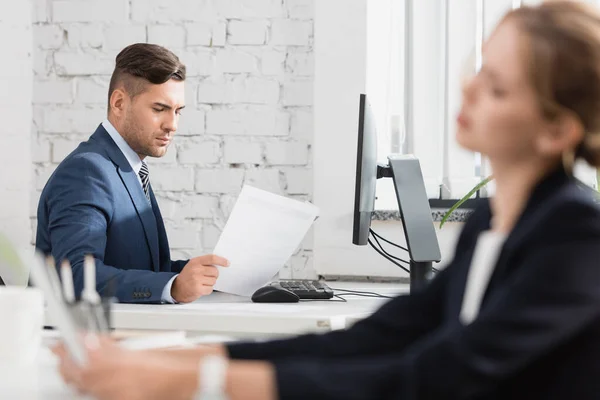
(166, 294)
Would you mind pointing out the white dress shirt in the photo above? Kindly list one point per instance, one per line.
(136, 165)
(485, 257)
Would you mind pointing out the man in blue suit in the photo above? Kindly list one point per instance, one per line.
(99, 201)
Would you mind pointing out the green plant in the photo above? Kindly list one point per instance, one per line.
(482, 184)
(467, 196)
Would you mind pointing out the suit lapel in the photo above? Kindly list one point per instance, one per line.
(144, 211)
(163, 242)
(136, 193)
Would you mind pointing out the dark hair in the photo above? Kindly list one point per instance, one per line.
(142, 63)
(563, 44)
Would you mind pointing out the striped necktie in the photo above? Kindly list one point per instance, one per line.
(145, 177)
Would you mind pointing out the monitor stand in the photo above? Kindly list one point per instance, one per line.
(413, 205)
(420, 273)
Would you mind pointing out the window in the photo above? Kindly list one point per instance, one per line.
(417, 52)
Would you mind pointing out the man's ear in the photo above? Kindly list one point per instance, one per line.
(118, 100)
(563, 133)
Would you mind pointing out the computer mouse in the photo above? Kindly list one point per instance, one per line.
(274, 294)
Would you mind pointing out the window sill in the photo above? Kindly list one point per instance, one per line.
(459, 215)
(438, 210)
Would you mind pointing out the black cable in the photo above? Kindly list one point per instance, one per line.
(355, 291)
(361, 292)
(389, 255)
(388, 258)
(366, 295)
(385, 240)
(341, 299)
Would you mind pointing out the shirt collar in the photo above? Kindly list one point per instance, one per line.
(128, 152)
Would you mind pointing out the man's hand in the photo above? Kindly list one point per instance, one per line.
(197, 278)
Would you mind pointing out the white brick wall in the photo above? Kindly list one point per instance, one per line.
(48, 36)
(298, 93)
(53, 92)
(219, 180)
(299, 181)
(300, 9)
(16, 77)
(248, 116)
(69, 63)
(84, 35)
(247, 32)
(250, 8)
(242, 151)
(201, 152)
(239, 89)
(236, 60)
(172, 179)
(272, 62)
(183, 235)
(199, 61)
(291, 32)
(170, 36)
(92, 90)
(61, 147)
(90, 11)
(115, 37)
(265, 179)
(287, 153)
(247, 121)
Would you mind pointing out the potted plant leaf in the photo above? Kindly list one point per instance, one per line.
(485, 182)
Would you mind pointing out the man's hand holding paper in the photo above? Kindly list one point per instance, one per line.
(261, 234)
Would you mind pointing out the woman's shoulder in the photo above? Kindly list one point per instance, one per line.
(571, 212)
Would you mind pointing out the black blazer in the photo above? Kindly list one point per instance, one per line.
(537, 335)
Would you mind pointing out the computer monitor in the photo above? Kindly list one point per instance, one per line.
(366, 173)
(413, 203)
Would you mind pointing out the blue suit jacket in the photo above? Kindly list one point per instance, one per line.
(94, 204)
(537, 335)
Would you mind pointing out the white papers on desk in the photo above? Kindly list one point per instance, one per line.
(261, 234)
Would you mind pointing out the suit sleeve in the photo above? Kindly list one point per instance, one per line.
(397, 324)
(177, 266)
(552, 298)
(80, 208)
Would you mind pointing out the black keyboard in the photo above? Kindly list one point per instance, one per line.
(307, 289)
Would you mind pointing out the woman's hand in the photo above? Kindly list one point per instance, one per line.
(113, 373)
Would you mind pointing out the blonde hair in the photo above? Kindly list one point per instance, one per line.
(563, 55)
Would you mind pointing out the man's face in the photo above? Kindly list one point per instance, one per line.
(150, 119)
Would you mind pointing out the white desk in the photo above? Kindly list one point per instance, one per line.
(234, 316)
(35, 382)
(218, 313)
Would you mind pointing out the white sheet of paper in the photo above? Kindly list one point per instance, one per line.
(260, 235)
